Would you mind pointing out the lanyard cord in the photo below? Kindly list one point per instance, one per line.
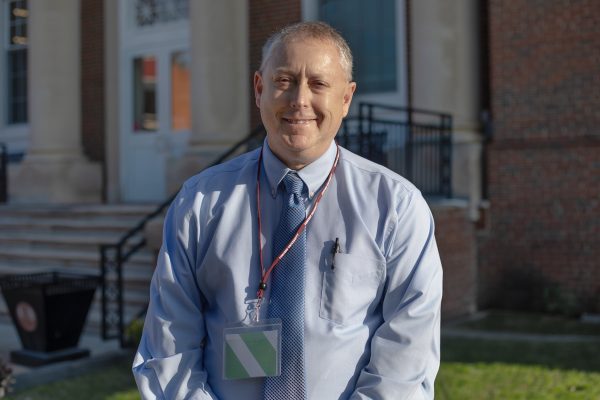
(265, 274)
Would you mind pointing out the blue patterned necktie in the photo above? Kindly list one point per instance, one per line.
(287, 296)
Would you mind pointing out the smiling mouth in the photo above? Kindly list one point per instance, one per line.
(298, 121)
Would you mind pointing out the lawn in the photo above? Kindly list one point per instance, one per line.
(504, 369)
(471, 369)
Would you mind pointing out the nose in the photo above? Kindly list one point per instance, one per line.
(300, 96)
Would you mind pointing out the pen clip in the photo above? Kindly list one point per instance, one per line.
(334, 250)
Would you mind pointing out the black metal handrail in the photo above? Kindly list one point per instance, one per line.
(113, 256)
(415, 143)
(3, 173)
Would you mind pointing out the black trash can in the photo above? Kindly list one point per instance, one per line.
(49, 310)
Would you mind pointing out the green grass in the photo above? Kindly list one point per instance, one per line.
(490, 381)
(472, 369)
(112, 383)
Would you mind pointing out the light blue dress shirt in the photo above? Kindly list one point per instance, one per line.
(372, 323)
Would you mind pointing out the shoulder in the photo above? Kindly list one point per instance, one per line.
(224, 175)
(216, 181)
(368, 175)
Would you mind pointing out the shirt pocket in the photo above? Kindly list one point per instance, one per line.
(350, 290)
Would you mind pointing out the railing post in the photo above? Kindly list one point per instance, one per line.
(119, 266)
(409, 146)
(3, 174)
(370, 136)
(103, 287)
(111, 262)
(446, 156)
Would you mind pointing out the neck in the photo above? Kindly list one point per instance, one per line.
(293, 164)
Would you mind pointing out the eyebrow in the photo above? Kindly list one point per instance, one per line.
(284, 70)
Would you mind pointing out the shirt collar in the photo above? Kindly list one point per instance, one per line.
(313, 175)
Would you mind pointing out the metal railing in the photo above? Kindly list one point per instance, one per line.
(113, 256)
(3, 173)
(415, 143)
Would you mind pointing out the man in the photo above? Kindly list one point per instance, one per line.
(356, 281)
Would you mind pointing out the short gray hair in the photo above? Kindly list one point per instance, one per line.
(309, 30)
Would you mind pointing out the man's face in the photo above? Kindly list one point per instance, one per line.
(303, 93)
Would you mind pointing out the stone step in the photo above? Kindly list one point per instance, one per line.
(123, 211)
(133, 275)
(30, 224)
(62, 240)
(61, 258)
(67, 238)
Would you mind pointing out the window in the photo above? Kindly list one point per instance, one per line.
(15, 40)
(180, 91)
(144, 94)
(370, 29)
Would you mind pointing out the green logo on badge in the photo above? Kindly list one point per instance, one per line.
(251, 354)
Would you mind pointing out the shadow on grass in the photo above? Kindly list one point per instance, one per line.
(583, 356)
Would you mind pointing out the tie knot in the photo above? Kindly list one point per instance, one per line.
(293, 183)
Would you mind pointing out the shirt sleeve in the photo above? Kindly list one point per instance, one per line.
(405, 349)
(169, 360)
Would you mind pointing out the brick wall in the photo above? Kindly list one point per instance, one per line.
(92, 78)
(540, 248)
(455, 236)
(265, 18)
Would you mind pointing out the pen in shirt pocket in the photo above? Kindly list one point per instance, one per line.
(334, 250)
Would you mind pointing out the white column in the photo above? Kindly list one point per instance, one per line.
(445, 77)
(54, 169)
(111, 105)
(220, 82)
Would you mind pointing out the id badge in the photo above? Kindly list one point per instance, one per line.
(252, 350)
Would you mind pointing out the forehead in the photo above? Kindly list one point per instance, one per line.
(311, 53)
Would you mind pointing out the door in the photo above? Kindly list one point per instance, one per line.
(155, 123)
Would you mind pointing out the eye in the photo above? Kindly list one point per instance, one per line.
(319, 84)
(283, 81)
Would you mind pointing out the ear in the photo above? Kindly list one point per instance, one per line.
(258, 87)
(348, 93)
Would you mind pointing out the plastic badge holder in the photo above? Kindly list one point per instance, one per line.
(252, 351)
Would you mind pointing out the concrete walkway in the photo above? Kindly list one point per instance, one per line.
(526, 337)
(453, 329)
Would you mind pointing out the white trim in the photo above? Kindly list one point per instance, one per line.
(132, 36)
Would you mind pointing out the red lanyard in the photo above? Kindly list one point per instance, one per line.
(265, 274)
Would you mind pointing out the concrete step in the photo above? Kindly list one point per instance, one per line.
(62, 258)
(61, 240)
(67, 238)
(30, 224)
(133, 275)
(133, 211)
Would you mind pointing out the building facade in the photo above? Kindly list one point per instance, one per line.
(540, 247)
(112, 102)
